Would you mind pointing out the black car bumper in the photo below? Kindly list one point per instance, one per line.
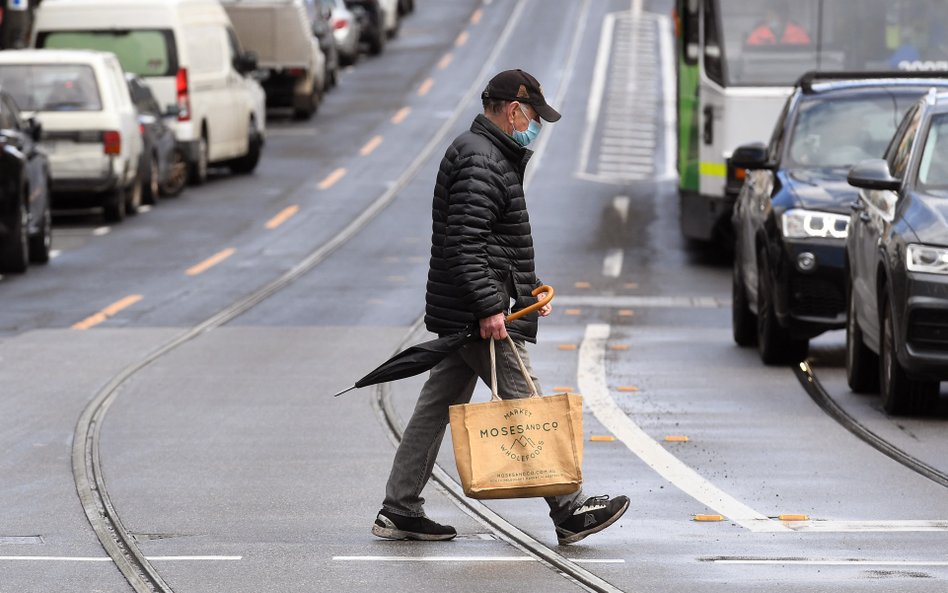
(810, 302)
(926, 327)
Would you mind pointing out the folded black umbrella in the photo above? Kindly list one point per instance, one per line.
(422, 357)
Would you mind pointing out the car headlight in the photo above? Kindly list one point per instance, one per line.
(924, 258)
(801, 224)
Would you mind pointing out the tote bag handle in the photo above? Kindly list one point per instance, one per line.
(493, 371)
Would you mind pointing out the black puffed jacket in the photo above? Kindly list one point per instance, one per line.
(481, 246)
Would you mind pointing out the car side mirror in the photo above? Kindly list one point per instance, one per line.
(246, 62)
(873, 174)
(36, 129)
(751, 156)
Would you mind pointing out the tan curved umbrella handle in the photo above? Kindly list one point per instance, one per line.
(535, 306)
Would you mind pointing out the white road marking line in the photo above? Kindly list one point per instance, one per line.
(851, 562)
(612, 264)
(668, 97)
(102, 230)
(623, 302)
(108, 559)
(621, 204)
(596, 89)
(467, 559)
(868, 526)
(591, 376)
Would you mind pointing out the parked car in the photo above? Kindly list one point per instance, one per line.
(791, 217)
(346, 31)
(90, 129)
(320, 17)
(161, 171)
(25, 221)
(897, 262)
(391, 17)
(280, 33)
(371, 23)
(188, 53)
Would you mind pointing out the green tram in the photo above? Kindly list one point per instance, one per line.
(738, 61)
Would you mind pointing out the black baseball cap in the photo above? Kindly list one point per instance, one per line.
(517, 85)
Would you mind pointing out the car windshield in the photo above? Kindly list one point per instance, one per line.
(838, 132)
(933, 170)
(51, 87)
(140, 51)
(773, 42)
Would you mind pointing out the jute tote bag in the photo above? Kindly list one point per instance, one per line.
(517, 448)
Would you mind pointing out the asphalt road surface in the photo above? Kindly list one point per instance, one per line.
(167, 419)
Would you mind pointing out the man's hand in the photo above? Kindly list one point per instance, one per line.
(545, 309)
(494, 327)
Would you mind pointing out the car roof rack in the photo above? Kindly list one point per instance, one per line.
(813, 77)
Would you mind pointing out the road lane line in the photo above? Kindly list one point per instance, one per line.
(445, 61)
(632, 302)
(400, 115)
(462, 39)
(612, 264)
(467, 559)
(592, 384)
(210, 262)
(282, 217)
(425, 87)
(621, 204)
(826, 562)
(476, 16)
(370, 146)
(332, 178)
(596, 89)
(110, 311)
(109, 559)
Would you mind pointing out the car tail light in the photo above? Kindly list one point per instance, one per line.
(295, 72)
(141, 129)
(340, 24)
(111, 142)
(184, 100)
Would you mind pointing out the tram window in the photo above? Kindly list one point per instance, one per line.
(713, 60)
(688, 18)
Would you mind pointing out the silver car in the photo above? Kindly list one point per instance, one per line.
(346, 31)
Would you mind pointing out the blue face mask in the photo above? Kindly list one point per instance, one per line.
(528, 135)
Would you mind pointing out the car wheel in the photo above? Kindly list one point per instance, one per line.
(178, 177)
(41, 243)
(133, 197)
(743, 321)
(248, 162)
(311, 105)
(14, 256)
(377, 44)
(774, 342)
(150, 186)
(862, 364)
(900, 393)
(114, 207)
(197, 171)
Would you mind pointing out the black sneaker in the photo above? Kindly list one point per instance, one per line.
(594, 515)
(389, 525)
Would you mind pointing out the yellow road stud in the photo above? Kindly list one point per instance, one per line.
(793, 517)
(567, 346)
(563, 389)
(708, 518)
(627, 388)
(582, 285)
(677, 438)
(603, 438)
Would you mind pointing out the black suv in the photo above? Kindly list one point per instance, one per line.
(792, 215)
(897, 260)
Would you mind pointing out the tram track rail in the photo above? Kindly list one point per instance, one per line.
(88, 474)
(812, 385)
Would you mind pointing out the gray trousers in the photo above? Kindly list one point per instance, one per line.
(452, 381)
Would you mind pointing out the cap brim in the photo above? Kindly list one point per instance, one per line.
(547, 113)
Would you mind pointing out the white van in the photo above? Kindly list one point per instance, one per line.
(281, 33)
(188, 53)
(90, 128)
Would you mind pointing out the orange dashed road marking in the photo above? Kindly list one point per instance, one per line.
(210, 262)
(400, 115)
(568, 346)
(602, 438)
(627, 388)
(462, 39)
(107, 312)
(564, 389)
(445, 61)
(626, 313)
(282, 217)
(582, 285)
(619, 347)
(573, 311)
(708, 518)
(425, 87)
(332, 178)
(476, 16)
(677, 438)
(370, 146)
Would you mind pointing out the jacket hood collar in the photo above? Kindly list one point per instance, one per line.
(507, 145)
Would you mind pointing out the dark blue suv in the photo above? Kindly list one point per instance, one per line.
(897, 261)
(792, 215)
